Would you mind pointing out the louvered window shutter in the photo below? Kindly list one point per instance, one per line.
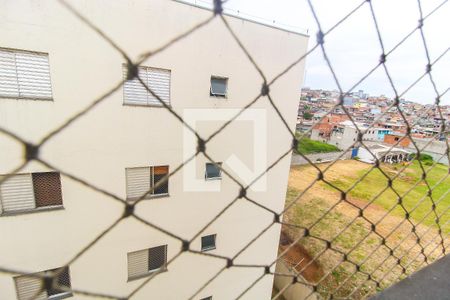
(33, 75)
(133, 91)
(138, 182)
(29, 288)
(158, 80)
(16, 193)
(9, 86)
(159, 83)
(137, 263)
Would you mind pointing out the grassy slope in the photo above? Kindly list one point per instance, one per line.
(376, 181)
(353, 235)
(308, 146)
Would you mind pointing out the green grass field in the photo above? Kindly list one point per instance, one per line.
(408, 183)
(308, 146)
(321, 210)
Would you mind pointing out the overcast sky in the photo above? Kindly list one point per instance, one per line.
(354, 49)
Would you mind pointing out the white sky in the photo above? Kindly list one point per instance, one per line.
(353, 47)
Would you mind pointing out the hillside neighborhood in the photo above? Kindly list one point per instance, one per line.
(382, 125)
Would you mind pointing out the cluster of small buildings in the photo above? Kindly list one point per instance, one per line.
(379, 122)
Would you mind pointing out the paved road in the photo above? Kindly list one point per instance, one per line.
(318, 157)
(431, 282)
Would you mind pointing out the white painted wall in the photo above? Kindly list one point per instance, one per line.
(100, 145)
(345, 139)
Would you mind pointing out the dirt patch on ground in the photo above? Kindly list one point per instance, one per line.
(298, 258)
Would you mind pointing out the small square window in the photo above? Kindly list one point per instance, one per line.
(208, 242)
(213, 171)
(218, 87)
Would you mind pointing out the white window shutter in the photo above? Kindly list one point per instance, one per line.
(29, 288)
(137, 263)
(9, 86)
(17, 194)
(33, 75)
(133, 91)
(159, 83)
(138, 182)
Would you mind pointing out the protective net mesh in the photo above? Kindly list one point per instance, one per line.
(339, 249)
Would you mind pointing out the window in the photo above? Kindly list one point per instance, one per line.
(24, 75)
(141, 180)
(208, 242)
(25, 192)
(218, 87)
(157, 80)
(144, 262)
(396, 138)
(29, 286)
(213, 171)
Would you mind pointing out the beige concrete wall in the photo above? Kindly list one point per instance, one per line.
(100, 145)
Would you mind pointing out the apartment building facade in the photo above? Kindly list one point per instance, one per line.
(52, 66)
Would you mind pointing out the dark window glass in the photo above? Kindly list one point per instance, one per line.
(218, 86)
(158, 178)
(62, 280)
(213, 171)
(47, 189)
(157, 258)
(208, 242)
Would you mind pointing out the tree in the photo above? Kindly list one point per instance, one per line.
(307, 115)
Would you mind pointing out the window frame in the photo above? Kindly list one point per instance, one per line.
(151, 183)
(61, 295)
(160, 269)
(216, 95)
(208, 248)
(32, 98)
(149, 271)
(36, 209)
(146, 68)
(34, 178)
(213, 164)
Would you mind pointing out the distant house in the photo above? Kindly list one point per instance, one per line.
(345, 134)
(395, 137)
(382, 153)
(348, 100)
(324, 126)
